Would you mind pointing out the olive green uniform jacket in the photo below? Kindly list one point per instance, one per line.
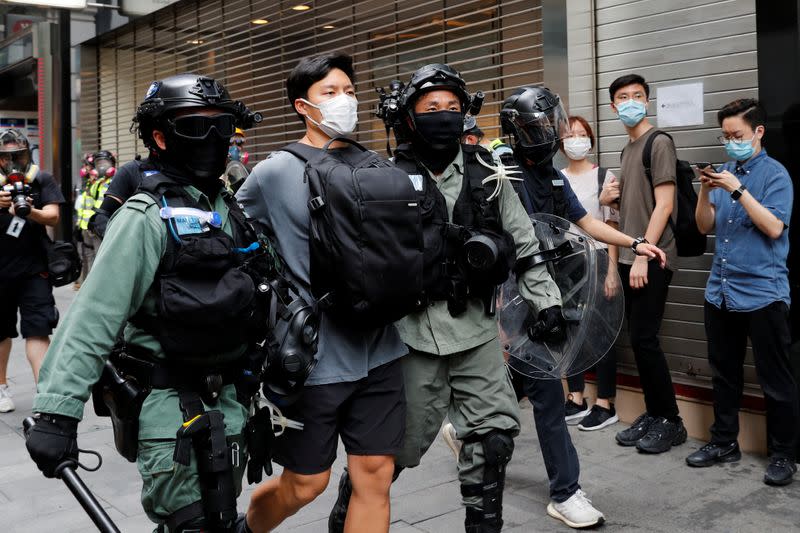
(121, 283)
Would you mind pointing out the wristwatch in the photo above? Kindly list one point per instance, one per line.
(738, 192)
(636, 242)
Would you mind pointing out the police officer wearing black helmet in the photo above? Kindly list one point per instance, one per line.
(180, 234)
(455, 365)
(536, 121)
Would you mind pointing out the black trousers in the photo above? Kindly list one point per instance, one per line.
(606, 370)
(768, 329)
(644, 309)
(558, 452)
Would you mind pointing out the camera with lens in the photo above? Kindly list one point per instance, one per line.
(388, 107)
(20, 191)
(480, 252)
(488, 255)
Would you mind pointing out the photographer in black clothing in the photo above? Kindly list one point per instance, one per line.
(29, 200)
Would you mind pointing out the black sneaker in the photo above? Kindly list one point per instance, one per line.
(630, 436)
(598, 418)
(662, 436)
(714, 452)
(574, 412)
(780, 471)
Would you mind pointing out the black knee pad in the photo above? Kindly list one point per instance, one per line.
(498, 447)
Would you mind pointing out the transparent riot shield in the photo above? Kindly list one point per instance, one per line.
(593, 309)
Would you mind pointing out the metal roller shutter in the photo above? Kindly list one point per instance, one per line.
(713, 41)
(497, 46)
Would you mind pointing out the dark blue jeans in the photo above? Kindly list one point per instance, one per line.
(558, 452)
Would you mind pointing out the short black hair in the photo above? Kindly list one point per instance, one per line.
(624, 81)
(312, 69)
(750, 109)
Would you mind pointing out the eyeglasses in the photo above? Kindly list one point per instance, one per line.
(723, 140)
(200, 126)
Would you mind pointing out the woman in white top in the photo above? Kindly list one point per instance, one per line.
(584, 177)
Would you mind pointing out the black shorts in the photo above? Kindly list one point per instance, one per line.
(33, 297)
(369, 414)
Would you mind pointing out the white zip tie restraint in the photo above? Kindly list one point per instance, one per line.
(501, 172)
(277, 418)
(212, 218)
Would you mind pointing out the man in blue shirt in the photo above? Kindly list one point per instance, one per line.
(748, 203)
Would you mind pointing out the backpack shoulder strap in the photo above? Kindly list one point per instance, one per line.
(647, 153)
(601, 178)
(301, 151)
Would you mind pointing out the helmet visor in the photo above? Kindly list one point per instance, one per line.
(200, 126)
(536, 128)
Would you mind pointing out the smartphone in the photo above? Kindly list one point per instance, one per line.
(702, 164)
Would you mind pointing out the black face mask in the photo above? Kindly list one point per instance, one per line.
(200, 162)
(540, 156)
(437, 137)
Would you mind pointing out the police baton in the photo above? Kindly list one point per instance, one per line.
(66, 471)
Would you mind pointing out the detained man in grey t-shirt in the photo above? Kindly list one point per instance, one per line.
(356, 390)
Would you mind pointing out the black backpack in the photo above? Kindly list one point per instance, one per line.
(366, 241)
(690, 242)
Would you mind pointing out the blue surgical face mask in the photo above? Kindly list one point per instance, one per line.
(631, 112)
(740, 150)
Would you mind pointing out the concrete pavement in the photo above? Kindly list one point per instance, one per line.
(636, 492)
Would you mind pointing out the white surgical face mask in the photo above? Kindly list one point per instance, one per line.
(577, 148)
(339, 117)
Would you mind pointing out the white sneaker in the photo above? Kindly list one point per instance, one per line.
(6, 403)
(576, 512)
(449, 436)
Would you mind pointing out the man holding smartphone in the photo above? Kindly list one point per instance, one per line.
(748, 204)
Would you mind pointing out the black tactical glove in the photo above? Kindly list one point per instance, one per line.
(52, 441)
(260, 441)
(550, 327)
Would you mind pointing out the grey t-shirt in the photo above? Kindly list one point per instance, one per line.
(276, 195)
(636, 202)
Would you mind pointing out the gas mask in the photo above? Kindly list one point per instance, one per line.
(104, 168)
(291, 359)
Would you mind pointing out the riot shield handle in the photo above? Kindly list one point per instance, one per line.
(543, 256)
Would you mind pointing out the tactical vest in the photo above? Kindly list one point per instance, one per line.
(207, 304)
(554, 202)
(447, 277)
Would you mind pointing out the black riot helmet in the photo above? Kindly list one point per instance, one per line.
(197, 143)
(433, 77)
(536, 120)
(435, 136)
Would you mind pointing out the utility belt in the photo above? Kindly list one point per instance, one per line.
(130, 374)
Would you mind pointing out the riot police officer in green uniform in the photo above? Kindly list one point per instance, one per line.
(455, 364)
(169, 291)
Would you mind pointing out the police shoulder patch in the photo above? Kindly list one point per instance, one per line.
(152, 90)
